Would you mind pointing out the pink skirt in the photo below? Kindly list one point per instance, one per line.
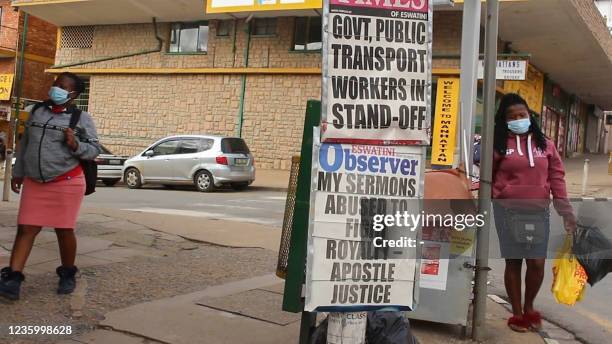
(54, 204)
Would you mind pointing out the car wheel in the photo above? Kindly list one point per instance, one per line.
(132, 178)
(110, 182)
(240, 186)
(204, 181)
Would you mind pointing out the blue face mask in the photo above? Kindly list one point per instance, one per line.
(519, 126)
(59, 95)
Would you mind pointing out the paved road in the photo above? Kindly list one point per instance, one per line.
(252, 205)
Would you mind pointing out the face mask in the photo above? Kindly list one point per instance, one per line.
(519, 126)
(58, 95)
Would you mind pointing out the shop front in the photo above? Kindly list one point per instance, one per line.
(555, 115)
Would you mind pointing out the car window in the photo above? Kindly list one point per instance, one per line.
(234, 145)
(206, 144)
(189, 146)
(167, 147)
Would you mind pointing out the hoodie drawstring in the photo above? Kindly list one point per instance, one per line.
(529, 151)
(518, 145)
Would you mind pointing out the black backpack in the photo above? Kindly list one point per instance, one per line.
(90, 168)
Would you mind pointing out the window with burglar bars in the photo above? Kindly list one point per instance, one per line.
(77, 37)
(189, 38)
(82, 101)
(307, 34)
(264, 27)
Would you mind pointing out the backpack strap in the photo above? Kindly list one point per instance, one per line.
(37, 106)
(75, 116)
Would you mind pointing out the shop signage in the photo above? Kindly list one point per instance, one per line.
(445, 123)
(506, 70)
(6, 86)
(531, 89)
(230, 6)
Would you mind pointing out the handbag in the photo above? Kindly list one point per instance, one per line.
(90, 168)
(528, 227)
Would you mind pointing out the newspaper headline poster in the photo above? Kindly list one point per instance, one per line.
(377, 71)
(352, 264)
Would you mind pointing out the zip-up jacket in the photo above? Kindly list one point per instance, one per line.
(43, 154)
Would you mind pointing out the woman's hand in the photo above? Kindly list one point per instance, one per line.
(71, 140)
(569, 222)
(16, 184)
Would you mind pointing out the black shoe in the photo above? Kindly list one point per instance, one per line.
(10, 283)
(67, 281)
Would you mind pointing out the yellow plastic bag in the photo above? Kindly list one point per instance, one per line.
(570, 278)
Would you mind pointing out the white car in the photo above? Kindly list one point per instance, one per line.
(110, 167)
(205, 161)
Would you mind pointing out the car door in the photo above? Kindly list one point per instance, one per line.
(158, 166)
(186, 159)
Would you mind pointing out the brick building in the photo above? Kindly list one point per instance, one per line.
(250, 73)
(39, 54)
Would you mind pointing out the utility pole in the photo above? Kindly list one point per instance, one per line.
(6, 192)
(470, 45)
(486, 161)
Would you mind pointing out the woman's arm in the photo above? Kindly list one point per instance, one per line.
(19, 168)
(88, 147)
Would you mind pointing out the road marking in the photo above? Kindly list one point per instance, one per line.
(276, 198)
(255, 201)
(497, 299)
(204, 214)
(226, 206)
(605, 323)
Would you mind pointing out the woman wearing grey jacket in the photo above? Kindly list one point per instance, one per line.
(49, 176)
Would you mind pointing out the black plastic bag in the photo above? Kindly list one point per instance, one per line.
(319, 336)
(593, 251)
(388, 328)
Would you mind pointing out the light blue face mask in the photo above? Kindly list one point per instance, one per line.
(519, 126)
(59, 95)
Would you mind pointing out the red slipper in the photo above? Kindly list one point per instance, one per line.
(535, 320)
(518, 324)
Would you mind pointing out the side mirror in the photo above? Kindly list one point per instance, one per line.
(149, 153)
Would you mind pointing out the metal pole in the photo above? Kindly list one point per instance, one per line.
(585, 176)
(470, 43)
(484, 197)
(6, 192)
(244, 79)
(307, 325)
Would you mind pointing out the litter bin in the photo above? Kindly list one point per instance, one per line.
(285, 242)
(610, 164)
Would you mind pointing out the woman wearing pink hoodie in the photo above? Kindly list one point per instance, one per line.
(527, 170)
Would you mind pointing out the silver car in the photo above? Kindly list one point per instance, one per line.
(110, 167)
(205, 161)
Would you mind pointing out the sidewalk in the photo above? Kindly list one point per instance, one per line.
(277, 180)
(599, 182)
(243, 311)
(248, 311)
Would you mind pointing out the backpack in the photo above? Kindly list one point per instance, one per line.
(90, 168)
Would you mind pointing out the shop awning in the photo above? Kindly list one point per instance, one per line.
(568, 40)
